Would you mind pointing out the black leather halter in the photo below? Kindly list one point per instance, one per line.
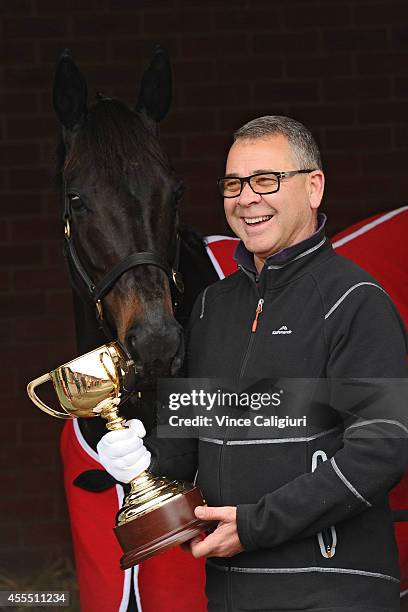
(95, 292)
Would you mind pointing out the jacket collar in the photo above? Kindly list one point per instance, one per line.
(287, 262)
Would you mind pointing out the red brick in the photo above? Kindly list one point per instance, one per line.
(324, 114)
(107, 78)
(45, 329)
(141, 48)
(244, 18)
(198, 146)
(4, 230)
(16, 53)
(5, 332)
(13, 103)
(401, 136)
(199, 96)
(184, 20)
(271, 92)
(31, 128)
(188, 121)
(20, 304)
(215, 45)
(32, 77)
(355, 40)
(49, 7)
(318, 66)
(399, 37)
(5, 285)
(382, 63)
(384, 161)
(45, 535)
(34, 27)
(15, 204)
(29, 178)
(357, 137)
(387, 112)
(231, 70)
(83, 51)
(401, 87)
(13, 154)
(58, 301)
(378, 13)
(356, 89)
(14, 255)
(341, 161)
(36, 228)
(230, 119)
(38, 279)
(198, 71)
(120, 5)
(316, 15)
(15, 6)
(286, 42)
(101, 25)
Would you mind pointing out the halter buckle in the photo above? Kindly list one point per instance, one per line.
(99, 310)
(177, 280)
(67, 228)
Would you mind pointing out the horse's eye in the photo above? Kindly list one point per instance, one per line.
(76, 202)
(179, 191)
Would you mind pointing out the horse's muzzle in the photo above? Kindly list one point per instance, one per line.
(156, 349)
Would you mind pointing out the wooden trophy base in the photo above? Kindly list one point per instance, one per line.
(170, 524)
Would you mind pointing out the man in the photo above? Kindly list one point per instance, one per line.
(303, 518)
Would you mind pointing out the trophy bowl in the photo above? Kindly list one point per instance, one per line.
(157, 513)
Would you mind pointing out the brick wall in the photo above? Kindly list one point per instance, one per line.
(340, 67)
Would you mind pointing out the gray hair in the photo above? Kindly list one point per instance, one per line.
(301, 141)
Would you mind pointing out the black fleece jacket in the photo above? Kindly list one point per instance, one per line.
(312, 510)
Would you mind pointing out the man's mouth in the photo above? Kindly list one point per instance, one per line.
(256, 220)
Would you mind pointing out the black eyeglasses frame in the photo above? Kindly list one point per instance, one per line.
(247, 179)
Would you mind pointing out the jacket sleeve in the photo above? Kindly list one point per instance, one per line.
(175, 458)
(368, 342)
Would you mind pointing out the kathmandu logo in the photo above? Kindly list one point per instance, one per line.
(282, 330)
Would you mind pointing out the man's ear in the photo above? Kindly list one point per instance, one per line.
(155, 90)
(316, 188)
(70, 92)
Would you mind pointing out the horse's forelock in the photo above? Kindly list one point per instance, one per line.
(112, 140)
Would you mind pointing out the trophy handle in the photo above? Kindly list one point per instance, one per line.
(34, 398)
(107, 372)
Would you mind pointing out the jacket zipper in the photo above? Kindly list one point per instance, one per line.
(327, 538)
(254, 326)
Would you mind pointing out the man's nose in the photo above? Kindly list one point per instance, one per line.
(248, 196)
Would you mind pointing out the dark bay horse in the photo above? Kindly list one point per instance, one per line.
(126, 253)
(124, 246)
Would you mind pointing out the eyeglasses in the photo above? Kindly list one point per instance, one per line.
(261, 183)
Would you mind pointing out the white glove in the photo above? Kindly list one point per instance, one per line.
(122, 452)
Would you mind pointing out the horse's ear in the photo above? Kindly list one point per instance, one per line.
(70, 92)
(155, 91)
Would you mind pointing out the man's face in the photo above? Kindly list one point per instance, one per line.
(290, 212)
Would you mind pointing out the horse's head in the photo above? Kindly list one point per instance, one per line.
(121, 211)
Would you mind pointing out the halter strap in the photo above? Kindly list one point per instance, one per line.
(96, 292)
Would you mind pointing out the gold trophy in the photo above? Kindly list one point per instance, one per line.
(157, 513)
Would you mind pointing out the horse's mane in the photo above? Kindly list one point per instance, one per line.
(109, 140)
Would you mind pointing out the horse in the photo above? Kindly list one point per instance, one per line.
(126, 254)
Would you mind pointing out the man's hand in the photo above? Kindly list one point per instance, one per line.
(122, 452)
(224, 541)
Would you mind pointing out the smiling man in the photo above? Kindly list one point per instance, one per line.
(302, 516)
(269, 209)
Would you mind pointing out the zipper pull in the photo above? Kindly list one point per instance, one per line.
(257, 313)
